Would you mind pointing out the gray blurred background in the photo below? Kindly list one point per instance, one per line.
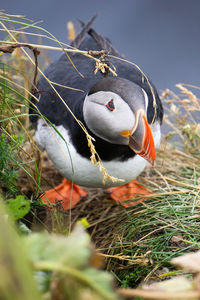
(161, 36)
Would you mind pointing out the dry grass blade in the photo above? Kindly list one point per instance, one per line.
(143, 76)
(95, 159)
(130, 293)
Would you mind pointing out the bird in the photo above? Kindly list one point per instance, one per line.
(122, 114)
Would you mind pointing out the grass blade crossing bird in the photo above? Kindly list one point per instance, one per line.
(123, 114)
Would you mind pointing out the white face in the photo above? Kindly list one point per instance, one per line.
(106, 114)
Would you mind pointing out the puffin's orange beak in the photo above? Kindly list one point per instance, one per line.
(141, 139)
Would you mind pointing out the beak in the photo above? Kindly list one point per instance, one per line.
(141, 138)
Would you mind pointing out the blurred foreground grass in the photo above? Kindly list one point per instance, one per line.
(44, 266)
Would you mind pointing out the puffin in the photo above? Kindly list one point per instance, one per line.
(120, 111)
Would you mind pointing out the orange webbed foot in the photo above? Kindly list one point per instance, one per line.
(66, 193)
(127, 192)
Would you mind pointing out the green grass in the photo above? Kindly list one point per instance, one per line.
(149, 233)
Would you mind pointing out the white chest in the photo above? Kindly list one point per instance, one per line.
(79, 169)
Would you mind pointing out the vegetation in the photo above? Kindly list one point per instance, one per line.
(134, 245)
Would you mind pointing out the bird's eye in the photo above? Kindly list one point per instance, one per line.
(110, 105)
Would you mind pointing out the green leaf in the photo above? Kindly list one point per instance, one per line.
(72, 250)
(102, 282)
(69, 259)
(96, 285)
(18, 207)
